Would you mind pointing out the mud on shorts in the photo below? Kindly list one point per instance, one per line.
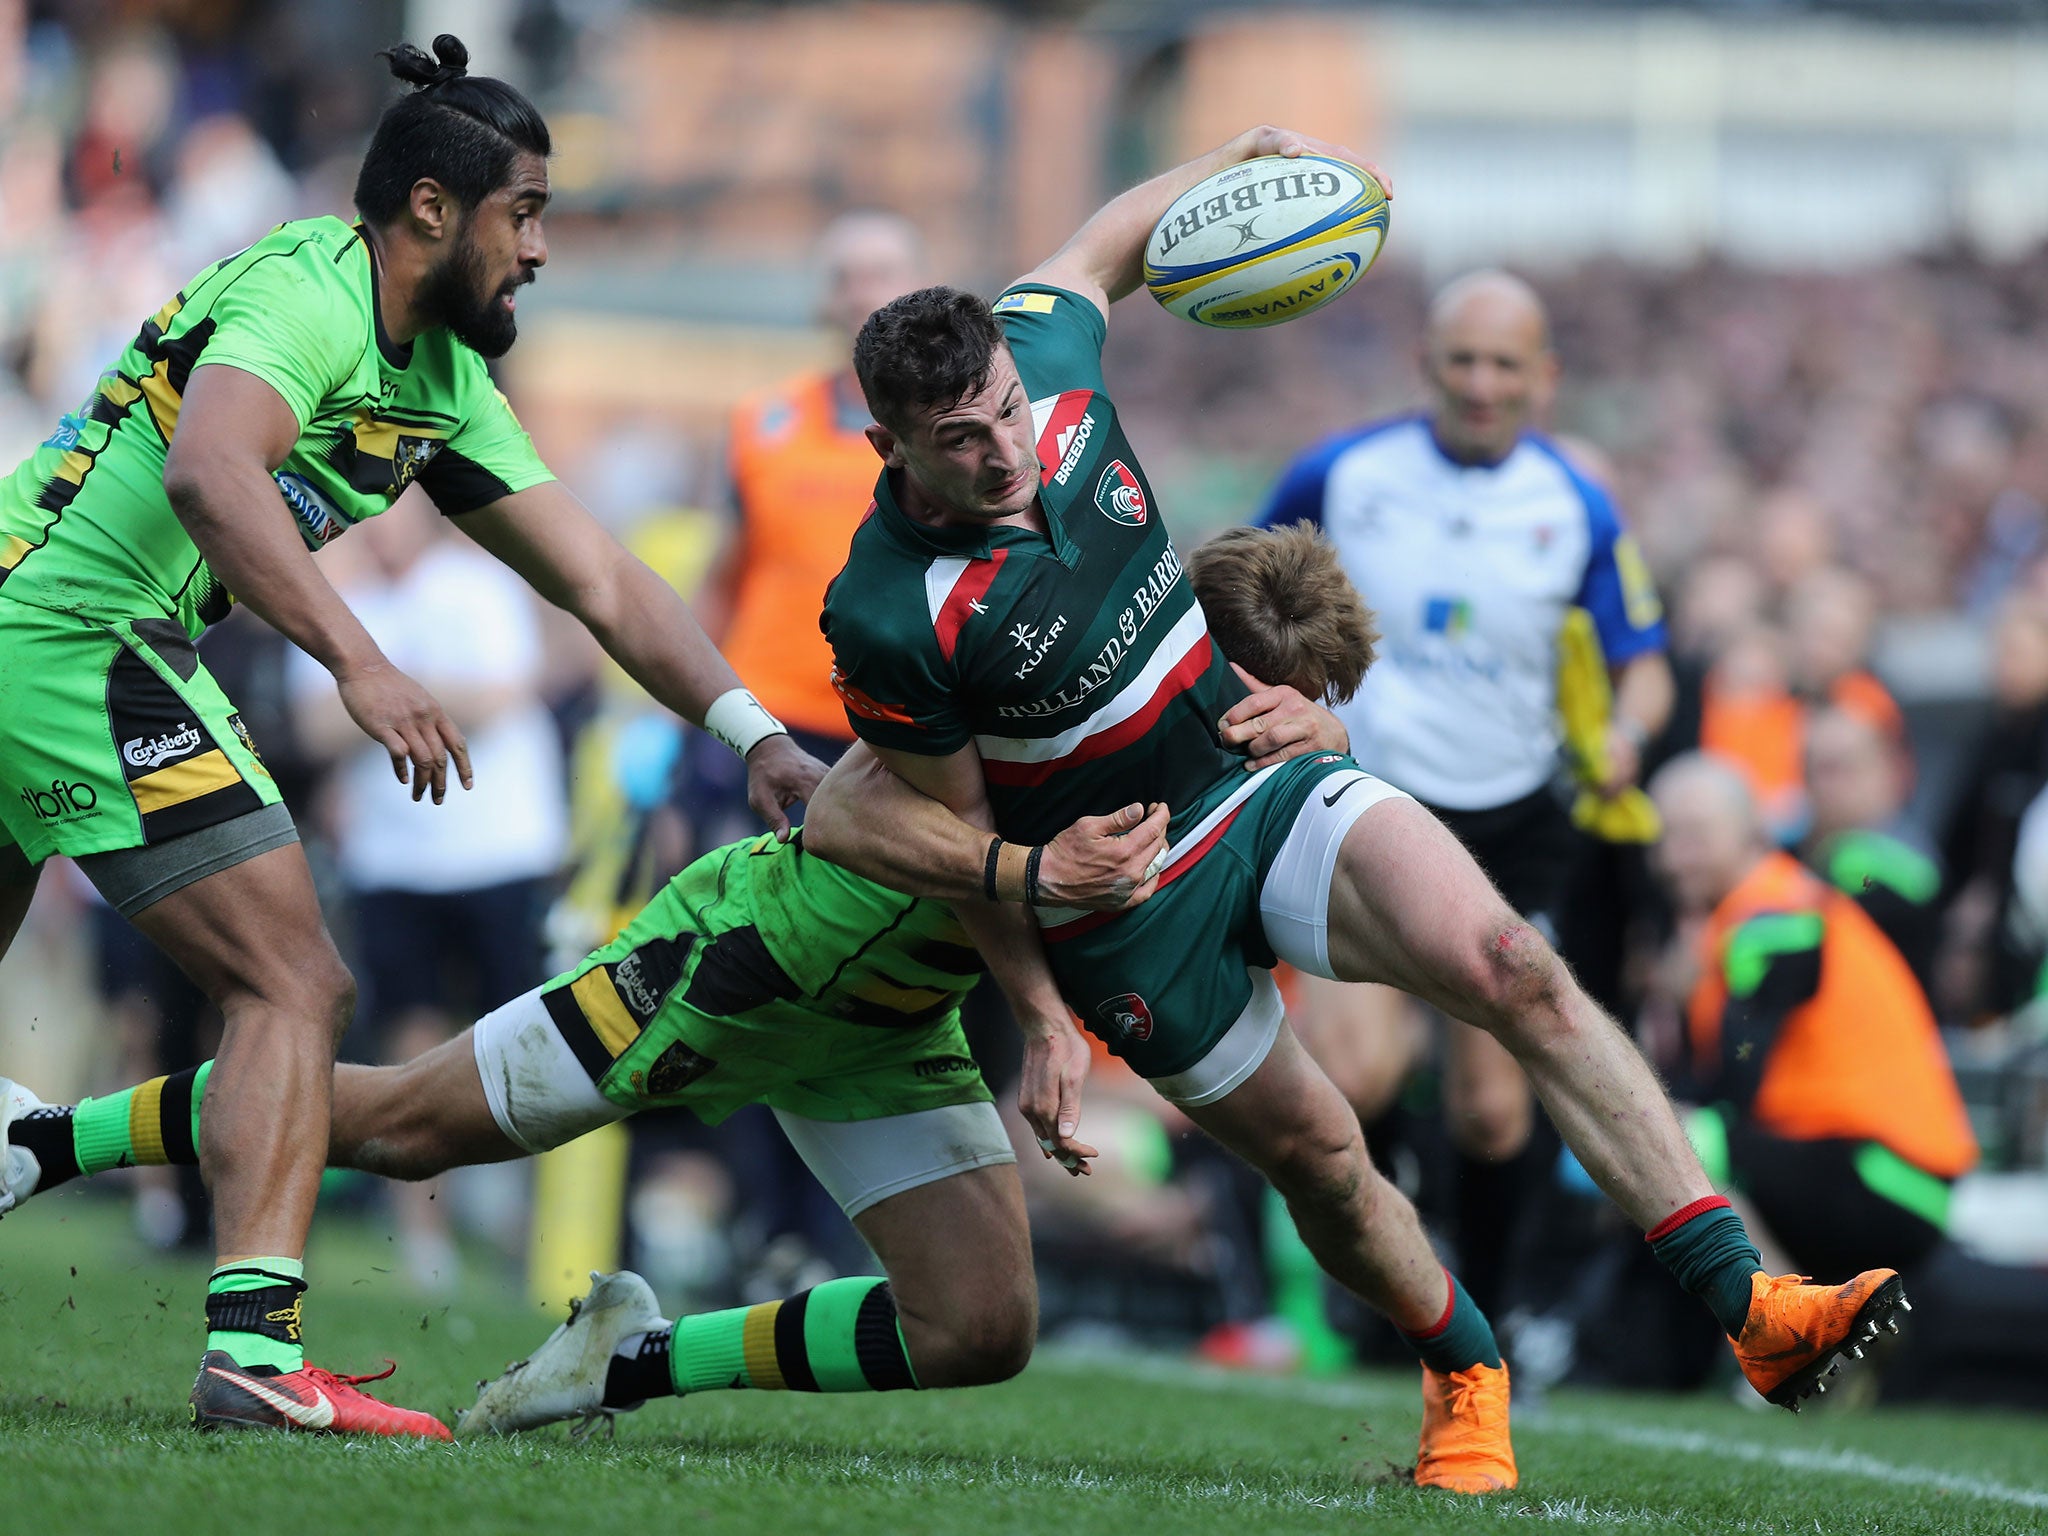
(118, 748)
(707, 1022)
(1181, 987)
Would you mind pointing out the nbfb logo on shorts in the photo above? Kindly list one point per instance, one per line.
(1127, 1015)
(61, 800)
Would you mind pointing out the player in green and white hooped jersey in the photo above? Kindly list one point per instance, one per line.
(282, 395)
(1055, 661)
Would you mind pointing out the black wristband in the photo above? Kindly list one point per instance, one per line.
(988, 870)
(1031, 875)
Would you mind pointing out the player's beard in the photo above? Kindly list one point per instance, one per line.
(459, 295)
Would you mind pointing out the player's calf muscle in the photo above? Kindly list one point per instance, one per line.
(417, 1120)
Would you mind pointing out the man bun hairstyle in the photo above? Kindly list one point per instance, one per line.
(459, 129)
(1278, 602)
(933, 347)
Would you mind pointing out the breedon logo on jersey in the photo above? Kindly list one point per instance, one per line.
(1127, 1015)
(1120, 496)
(155, 751)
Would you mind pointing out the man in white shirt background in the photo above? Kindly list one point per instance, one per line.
(1471, 536)
(446, 901)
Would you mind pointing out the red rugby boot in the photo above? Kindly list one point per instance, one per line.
(229, 1397)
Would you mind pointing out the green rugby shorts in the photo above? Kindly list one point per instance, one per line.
(113, 735)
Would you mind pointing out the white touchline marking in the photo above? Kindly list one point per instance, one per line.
(1797, 1459)
(1341, 1394)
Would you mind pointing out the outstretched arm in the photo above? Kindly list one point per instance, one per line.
(888, 803)
(1106, 257)
(545, 534)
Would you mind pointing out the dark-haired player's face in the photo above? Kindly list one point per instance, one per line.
(978, 457)
(496, 250)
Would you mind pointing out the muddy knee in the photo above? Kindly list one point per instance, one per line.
(1512, 980)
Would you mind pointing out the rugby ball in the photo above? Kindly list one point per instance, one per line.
(1266, 240)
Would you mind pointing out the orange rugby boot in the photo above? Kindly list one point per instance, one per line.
(228, 1397)
(1465, 1445)
(1796, 1334)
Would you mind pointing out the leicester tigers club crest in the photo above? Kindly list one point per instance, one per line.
(1126, 1016)
(1120, 496)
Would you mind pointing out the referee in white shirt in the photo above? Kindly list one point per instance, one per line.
(1471, 536)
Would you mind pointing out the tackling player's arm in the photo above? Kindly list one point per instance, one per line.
(871, 821)
(1055, 1055)
(865, 817)
(546, 535)
(233, 431)
(1273, 724)
(1106, 257)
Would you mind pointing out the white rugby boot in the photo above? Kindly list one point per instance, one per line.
(564, 1378)
(19, 1170)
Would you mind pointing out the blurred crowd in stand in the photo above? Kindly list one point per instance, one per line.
(1828, 473)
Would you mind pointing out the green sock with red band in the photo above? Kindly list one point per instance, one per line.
(1708, 1251)
(1461, 1339)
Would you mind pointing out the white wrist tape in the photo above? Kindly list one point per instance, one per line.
(737, 719)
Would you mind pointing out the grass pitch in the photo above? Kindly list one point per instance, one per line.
(99, 1339)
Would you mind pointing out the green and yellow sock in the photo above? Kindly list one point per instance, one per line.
(146, 1126)
(150, 1125)
(842, 1336)
(252, 1313)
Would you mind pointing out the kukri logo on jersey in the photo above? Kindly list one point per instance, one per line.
(1120, 496)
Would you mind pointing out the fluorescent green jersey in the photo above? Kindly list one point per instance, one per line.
(761, 973)
(85, 526)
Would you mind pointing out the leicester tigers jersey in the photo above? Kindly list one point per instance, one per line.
(1079, 664)
(85, 524)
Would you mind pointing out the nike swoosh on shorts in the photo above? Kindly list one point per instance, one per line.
(1338, 793)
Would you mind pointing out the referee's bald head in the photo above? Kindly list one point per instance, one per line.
(1486, 352)
(1498, 299)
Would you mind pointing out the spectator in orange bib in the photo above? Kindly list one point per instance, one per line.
(802, 474)
(1829, 1100)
